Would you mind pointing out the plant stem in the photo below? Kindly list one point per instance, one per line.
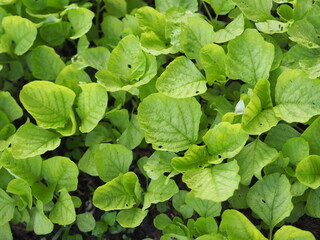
(270, 233)
(208, 12)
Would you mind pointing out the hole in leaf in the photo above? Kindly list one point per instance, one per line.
(197, 92)
(263, 201)
(219, 156)
(129, 66)
(160, 146)
(200, 166)
(127, 205)
(260, 124)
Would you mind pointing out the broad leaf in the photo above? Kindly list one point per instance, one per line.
(81, 21)
(255, 10)
(117, 194)
(181, 79)
(204, 207)
(112, 160)
(169, 124)
(7, 205)
(63, 212)
(270, 199)
(311, 135)
(295, 149)
(216, 183)
(225, 140)
(231, 31)
(131, 218)
(308, 171)
(221, 7)
(31, 140)
(312, 205)
(238, 227)
(249, 57)
(164, 5)
(39, 222)
(292, 233)
(86, 222)
(96, 58)
(55, 33)
(46, 64)
(21, 188)
(252, 158)
(9, 106)
(49, 103)
(91, 105)
(294, 105)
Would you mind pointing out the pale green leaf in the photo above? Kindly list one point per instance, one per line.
(216, 183)
(273, 26)
(115, 194)
(212, 58)
(22, 31)
(39, 222)
(50, 104)
(311, 134)
(164, 5)
(46, 64)
(96, 58)
(28, 169)
(169, 124)
(63, 212)
(87, 163)
(204, 207)
(43, 192)
(5, 232)
(31, 140)
(62, 172)
(221, 7)
(195, 34)
(225, 140)
(252, 158)
(9, 106)
(181, 79)
(112, 28)
(231, 31)
(270, 199)
(297, 96)
(295, 149)
(81, 21)
(159, 190)
(238, 227)
(91, 105)
(292, 233)
(255, 10)
(21, 188)
(249, 57)
(131, 218)
(308, 171)
(313, 203)
(132, 135)
(7, 205)
(112, 160)
(194, 158)
(86, 222)
(117, 8)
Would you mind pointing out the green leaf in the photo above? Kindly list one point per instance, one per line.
(238, 227)
(195, 157)
(131, 218)
(21, 188)
(231, 31)
(179, 204)
(221, 7)
(42, 192)
(46, 64)
(161, 221)
(212, 58)
(96, 58)
(164, 5)
(31, 140)
(87, 163)
(63, 212)
(117, 8)
(20, 30)
(5, 232)
(181, 79)
(313, 201)
(159, 190)
(117, 194)
(249, 57)
(270, 199)
(55, 33)
(62, 172)
(112, 160)
(255, 10)
(205, 208)
(311, 135)
(225, 140)
(308, 171)
(294, 105)
(253, 158)
(39, 222)
(205, 226)
(158, 164)
(292, 233)
(273, 26)
(28, 169)
(195, 34)
(49, 103)
(91, 105)
(9, 106)
(216, 183)
(7, 205)
(81, 21)
(295, 149)
(86, 222)
(156, 114)
(259, 116)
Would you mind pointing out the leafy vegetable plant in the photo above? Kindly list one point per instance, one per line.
(165, 119)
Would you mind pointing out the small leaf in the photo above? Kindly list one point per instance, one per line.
(216, 183)
(292, 233)
(9, 106)
(313, 202)
(181, 79)
(7, 205)
(295, 149)
(308, 171)
(231, 31)
(311, 136)
(81, 21)
(270, 199)
(165, 5)
(238, 227)
(39, 222)
(96, 58)
(205, 208)
(63, 212)
(169, 124)
(31, 140)
(131, 218)
(21, 188)
(255, 10)
(86, 222)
